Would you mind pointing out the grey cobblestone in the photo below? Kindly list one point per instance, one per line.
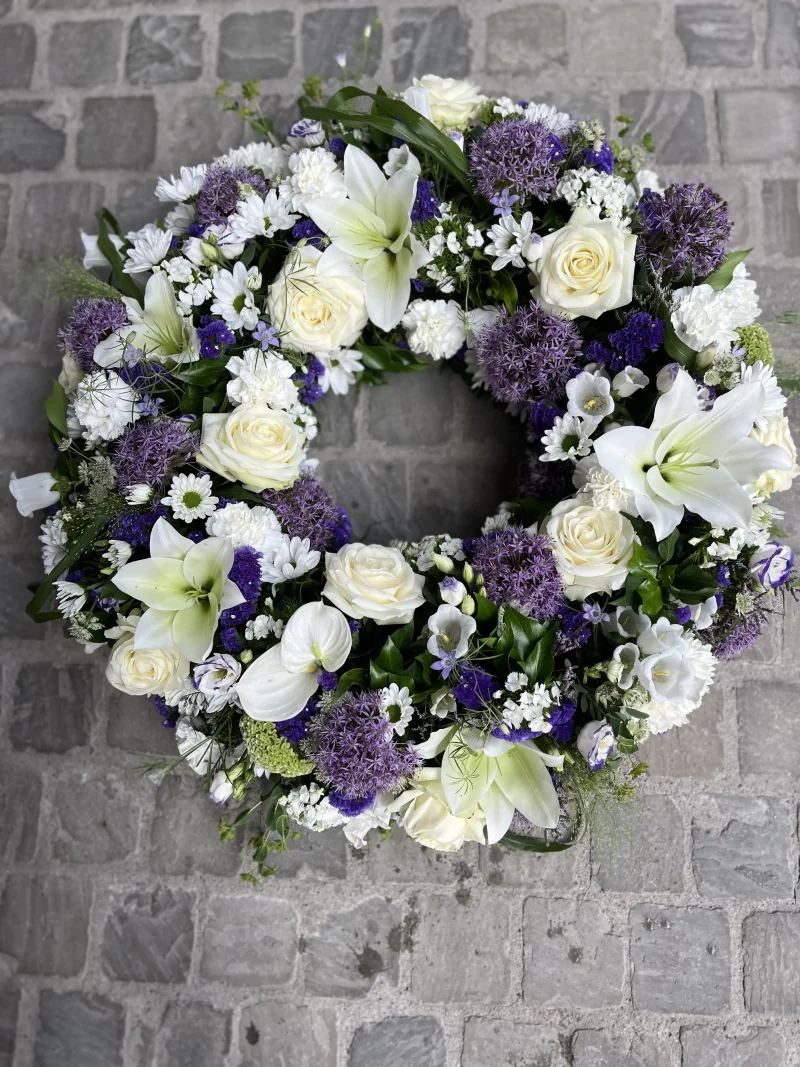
(339, 32)
(84, 54)
(191, 1035)
(641, 849)
(17, 55)
(494, 1041)
(117, 132)
(78, 1030)
(432, 40)
(255, 46)
(782, 46)
(398, 1042)
(249, 941)
(164, 48)
(529, 41)
(148, 936)
(702, 1046)
(287, 1033)
(594, 1048)
(31, 137)
(347, 952)
(715, 35)
(676, 119)
(772, 962)
(44, 923)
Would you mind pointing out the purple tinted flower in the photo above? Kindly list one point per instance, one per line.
(520, 155)
(597, 744)
(89, 323)
(308, 231)
(772, 564)
(561, 719)
(266, 335)
(521, 733)
(246, 575)
(426, 203)
(574, 630)
(683, 614)
(135, 527)
(354, 625)
(309, 381)
(475, 687)
(148, 452)
(350, 806)
(724, 575)
(306, 510)
(541, 417)
(504, 202)
(601, 158)
(596, 352)
(149, 405)
(742, 635)
(169, 716)
(337, 145)
(328, 680)
(296, 728)
(230, 640)
(687, 227)
(446, 663)
(594, 614)
(520, 569)
(213, 334)
(418, 286)
(355, 750)
(529, 355)
(640, 335)
(222, 191)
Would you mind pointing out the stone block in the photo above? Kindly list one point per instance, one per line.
(507, 1044)
(17, 55)
(272, 1033)
(572, 957)
(148, 935)
(399, 858)
(639, 848)
(620, 37)
(432, 40)
(31, 136)
(337, 421)
(715, 35)
(777, 291)
(340, 32)
(759, 125)
(78, 1030)
(398, 1043)
(314, 857)
(771, 943)
(782, 44)
(256, 46)
(428, 394)
(680, 960)
(196, 129)
(554, 872)
(373, 492)
(249, 941)
(191, 1035)
(781, 218)
(134, 725)
(5, 213)
(117, 133)
(184, 838)
(348, 950)
(9, 1010)
(766, 712)
(20, 797)
(85, 54)
(52, 707)
(703, 1046)
(694, 750)
(677, 120)
(530, 40)
(95, 818)
(596, 1048)
(44, 922)
(164, 48)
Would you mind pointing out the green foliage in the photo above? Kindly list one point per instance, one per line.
(721, 277)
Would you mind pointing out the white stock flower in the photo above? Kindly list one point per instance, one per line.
(452, 102)
(143, 671)
(776, 433)
(291, 557)
(589, 397)
(373, 582)
(568, 438)
(259, 446)
(513, 241)
(341, 367)
(190, 497)
(256, 527)
(434, 328)
(104, 405)
(262, 378)
(703, 316)
(592, 547)
(33, 492)
(188, 183)
(314, 173)
(235, 301)
(258, 216)
(602, 194)
(148, 247)
(158, 328)
(54, 542)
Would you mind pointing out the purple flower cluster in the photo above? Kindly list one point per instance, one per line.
(306, 510)
(135, 527)
(529, 355)
(355, 750)
(169, 716)
(337, 145)
(309, 381)
(474, 688)
(308, 231)
(296, 728)
(687, 227)
(601, 158)
(148, 452)
(350, 806)
(246, 575)
(544, 479)
(630, 344)
(213, 334)
(541, 417)
(426, 204)
(519, 568)
(89, 323)
(561, 719)
(574, 631)
(520, 155)
(222, 191)
(742, 635)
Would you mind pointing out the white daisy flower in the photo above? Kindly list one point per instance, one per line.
(188, 183)
(557, 121)
(235, 300)
(190, 497)
(568, 439)
(396, 702)
(148, 247)
(341, 367)
(512, 241)
(70, 598)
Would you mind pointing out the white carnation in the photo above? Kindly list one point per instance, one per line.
(314, 172)
(257, 527)
(104, 405)
(703, 316)
(435, 328)
(262, 378)
(606, 492)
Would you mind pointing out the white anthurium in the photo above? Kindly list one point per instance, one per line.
(279, 684)
(373, 228)
(158, 328)
(694, 459)
(185, 587)
(498, 776)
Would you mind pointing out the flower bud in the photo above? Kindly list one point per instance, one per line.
(468, 605)
(468, 574)
(443, 563)
(246, 656)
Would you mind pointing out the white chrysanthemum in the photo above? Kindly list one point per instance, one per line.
(70, 598)
(267, 158)
(262, 626)
(512, 241)
(262, 378)
(603, 194)
(104, 405)
(258, 216)
(557, 121)
(399, 700)
(314, 172)
(703, 316)
(118, 553)
(180, 218)
(292, 557)
(606, 492)
(188, 183)
(662, 714)
(569, 438)
(148, 247)
(774, 400)
(190, 497)
(234, 296)
(341, 367)
(139, 493)
(257, 527)
(434, 328)
(54, 542)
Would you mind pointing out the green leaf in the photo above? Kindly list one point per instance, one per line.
(501, 288)
(55, 408)
(204, 372)
(693, 584)
(349, 679)
(520, 635)
(403, 637)
(648, 142)
(666, 548)
(390, 659)
(679, 351)
(235, 491)
(721, 278)
(647, 547)
(540, 663)
(390, 358)
(192, 400)
(485, 609)
(378, 677)
(650, 593)
(124, 282)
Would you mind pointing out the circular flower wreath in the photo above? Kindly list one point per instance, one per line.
(476, 690)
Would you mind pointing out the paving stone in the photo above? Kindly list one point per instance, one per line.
(84, 54)
(43, 922)
(95, 818)
(677, 120)
(680, 959)
(256, 46)
(196, 129)
(184, 838)
(327, 34)
(399, 858)
(595, 1048)
(349, 949)
(715, 35)
(584, 105)
(337, 421)
(314, 857)
(430, 41)
(759, 124)
(134, 725)
(742, 847)
(429, 394)
(771, 943)
(777, 292)
(117, 133)
(192, 1035)
(529, 40)
(20, 796)
(148, 935)
(249, 941)
(620, 37)
(272, 1034)
(17, 55)
(373, 492)
(9, 1009)
(572, 958)
(702, 1046)
(735, 193)
(530, 870)
(5, 212)
(52, 707)
(510, 1044)
(472, 489)
(15, 594)
(398, 1043)
(449, 963)
(164, 48)
(78, 1030)
(766, 712)
(638, 847)
(782, 45)
(31, 138)
(693, 751)
(781, 218)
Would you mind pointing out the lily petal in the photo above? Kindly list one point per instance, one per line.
(232, 596)
(270, 693)
(207, 564)
(466, 776)
(154, 629)
(362, 177)
(713, 433)
(356, 230)
(680, 401)
(499, 812)
(193, 628)
(625, 452)
(748, 459)
(436, 743)
(109, 351)
(315, 634)
(526, 782)
(388, 287)
(661, 514)
(159, 583)
(711, 492)
(165, 541)
(395, 200)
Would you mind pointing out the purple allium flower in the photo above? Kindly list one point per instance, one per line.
(350, 806)
(213, 334)
(306, 510)
(474, 688)
(266, 335)
(519, 568)
(308, 231)
(148, 452)
(135, 527)
(740, 637)
(296, 728)
(426, 203)
(328, 680)
(686, 227)
(529, 355)
(601, 158)
(640, 335)
(221, 192)
(683, 615)
(89, 323)
(354, 748)
(520, 155)
(169, 716)
(337, 145)
(561, 719)
(230, 640)
(246, 575)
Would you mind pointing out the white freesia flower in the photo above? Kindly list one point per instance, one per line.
(190, 497)
(70, 598)
(92, 256)
(118, 553)
(259, 446)
(427, 818)
(703, 316)
(158, 328)
(589, 397)
(450, 630)
(148, 247)
(262, 378)
(290, 558)
(434, 328)
(54, 542)
(104, 405)
(373, 582)
(512, 241)
(188, 184)
(279, 683)
(593, 547)
(143, 671)
(258, 216)
(235, 301)
(314, 173)
(776, 434)
(568, 438)
(341, 367)
(451, 102)
(33, 492)
(629, 381)
(185, 587)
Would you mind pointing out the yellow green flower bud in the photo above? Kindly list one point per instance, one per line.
(468, 605)
(757, 345)
(271, 751)
(443, 563)
(468, 574)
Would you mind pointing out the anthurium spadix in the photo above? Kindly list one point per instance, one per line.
(158, 328)
(693, 459)
(185, 587)
(373, 227)
(499, 776)
(279, 684)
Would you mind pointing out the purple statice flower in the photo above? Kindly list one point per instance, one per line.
(596, 352)
(246, 575)
(350, 806)
(222, 191)
(169, 716)
(724, 575)
(504, 202)
(266, 335)
(520, 733)
(520, 155)
(594, 614)
(686, 227)
(89, 323)
(135, 527)
(540, 479)
(561, 719)
(426, 202)
(475, 687)
(306, 510)
(196, 229)
(148, 452)
(741, 636)
(230, 640)
(354, 748)
(640, 335)
(574, 631)
(529, 355)
(197, 536)
(149, 405)
(308, 231)
(309, 381)
(328, 680)
(519, 568)
(601, 158)
(296, 728)
(541, 417)
(213, 334)
(418, 285)
(337, 145)
(683, 614)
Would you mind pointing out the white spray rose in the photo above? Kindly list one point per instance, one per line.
(428, 819)
(452, 101)
(373, 582)
(260, 447)
(592, 547)
(776, 432)
(143, 671)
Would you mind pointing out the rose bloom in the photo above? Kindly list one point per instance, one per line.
(776, 432)
(592, 547)
(317, 308)
(453, 102)
(586, 267)
(143, 671)
(428, 819)
(373, 582)
(256, 445)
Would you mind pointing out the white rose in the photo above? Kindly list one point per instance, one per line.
(315, 309)
(143, 671)
(585, 268)
(373, 582)
(776, 432)
(452, 101)
(260, 447)
(429, 820)
(592, 547)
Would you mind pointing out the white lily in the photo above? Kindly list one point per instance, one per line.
(279, 684)
(373, 227)
(158, 328)
(688, 458)
(185, 587)
(499, 776)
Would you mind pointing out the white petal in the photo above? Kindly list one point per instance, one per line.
(748, 459)
(232, 596)
(315, 634)
(395, 201)
(193, 628)
(525, 780)
(154, 629)
(388, 287)
(165, 541)
(624, 452)
(362, 177)
(108, 353)
(436, 743)
(466, 776)
(680, 401)
(355, 229)
(499, 812)
(660, 513)
(269, 693)
(710, 492)
(715, 432)
(159, 583)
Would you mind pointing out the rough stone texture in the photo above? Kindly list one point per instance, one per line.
(117, 132)
(398, 1042)
(148, 936)
(33, 725)
(327, 35)
(95, 818)
(782, 46)
(31, 137)
(762, 713)
(184, 837)
(43, 923)
(594, 1048)
(20, 796)
(348, 950)
(530, 41)
(694, 751)
(273, 1033)
(192, 1035)
(701, 1046)
(715, 35)
(493, 1041)
(430, 40)
(249, 941)
(78, 1030)
(772, 962)
(641, 848)
(84, 54)
(255, 46)
(164, 49)
(781, 218)
(17, 55)
(745, 135)
(676, 119)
